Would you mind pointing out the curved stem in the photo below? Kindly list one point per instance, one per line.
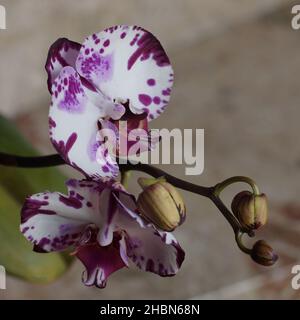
(238, 239)
(179, 183)
(226, 213)
(222, 185)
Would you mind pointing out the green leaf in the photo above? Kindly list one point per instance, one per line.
(16, 184)
(16, 253)
(22, 182)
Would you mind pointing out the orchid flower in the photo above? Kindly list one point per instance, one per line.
(100, 221)
(121, 73)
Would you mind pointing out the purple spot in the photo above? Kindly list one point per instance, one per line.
(87, 51)
(156, 100)
(79, 197)
(73, 95)
(98, 65)
(145, 99)
(134, 40)
(71, 202)
(148, 45)
(151, 82)
(97, 41)
(166, 92)
(106, 43)
(33, 207)
(64, 148)
(89, 204)
(43, 242)
(71, 183)
(25, 229)
(123, 34)
(105, 168)
(93, 147)
(52, 123)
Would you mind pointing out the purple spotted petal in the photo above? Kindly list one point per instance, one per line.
(150, 249)
(54, 221)
(44, 223)
(100, 262)
(73, 122)
(128, 63)
(62, 53)
(154, 251)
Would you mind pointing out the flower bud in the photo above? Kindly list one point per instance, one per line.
(161, 204)
(251, 210)
(263, 254)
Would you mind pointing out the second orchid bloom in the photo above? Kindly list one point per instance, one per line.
(100, 221)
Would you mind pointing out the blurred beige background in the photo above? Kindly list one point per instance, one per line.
(236, 75)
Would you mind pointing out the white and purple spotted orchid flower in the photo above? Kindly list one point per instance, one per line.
(100, 221)
(120, 73)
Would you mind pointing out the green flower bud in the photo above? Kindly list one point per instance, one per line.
(161, 204)
(251, 210)
(263, 254)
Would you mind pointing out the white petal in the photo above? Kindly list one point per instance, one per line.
(73, 121)
(128, 63)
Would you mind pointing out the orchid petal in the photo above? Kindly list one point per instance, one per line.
(109, 211)
(150, 249)
(53, 221)
(100, 262)
(62, 53)
(154, 252)
(127, 63)
(73, 122)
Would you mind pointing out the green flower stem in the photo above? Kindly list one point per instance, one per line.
(238, 239)
(209, 192)
(222, 185)
(125, 176)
